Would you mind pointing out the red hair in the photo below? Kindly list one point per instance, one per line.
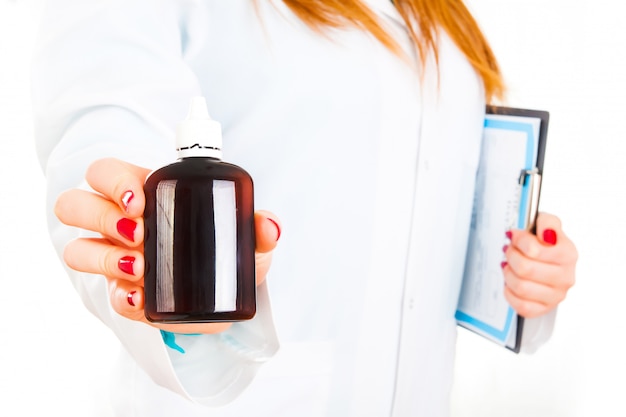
(423, 18)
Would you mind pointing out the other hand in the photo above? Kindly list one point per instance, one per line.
(539, 269)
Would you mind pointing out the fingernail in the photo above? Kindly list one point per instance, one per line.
(509, 234)
(277, 228)
(126, 228)
(549, 236)
(504, 248)
(503, 264)
(126, 199)
(126, 264)
(129, 298)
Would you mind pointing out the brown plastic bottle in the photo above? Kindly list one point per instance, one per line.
(199, 231)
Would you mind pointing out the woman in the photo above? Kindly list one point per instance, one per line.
(360, 122)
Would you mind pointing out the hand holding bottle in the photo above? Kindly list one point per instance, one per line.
(115, 212)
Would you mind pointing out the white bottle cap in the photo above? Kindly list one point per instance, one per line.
(198, 134)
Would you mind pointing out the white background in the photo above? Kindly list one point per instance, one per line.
(565, 56)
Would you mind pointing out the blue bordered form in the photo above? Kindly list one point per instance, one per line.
(532, 132)
(532, 137)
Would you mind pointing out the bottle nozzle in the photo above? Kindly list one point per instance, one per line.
(198, 109)
(198, 134)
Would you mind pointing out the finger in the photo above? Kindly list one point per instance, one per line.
(530, 290)
(193, 328)
(267, 229)
(98, 256)
(525, 308)
(529, 245)
(549, 228)
(531, 268)
(120, 182)
(562, 253)
(127, 299)
(93, 212)
(263, 262)
(550, 232)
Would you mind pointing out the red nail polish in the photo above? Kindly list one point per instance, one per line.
(503, 264)
(126, 199)
(509, 234)
(549, 236)
(504, 248)
(126, 264)
(277, 228)
(126, 228)
(129, 298)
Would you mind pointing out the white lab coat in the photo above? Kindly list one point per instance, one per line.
(370, 171)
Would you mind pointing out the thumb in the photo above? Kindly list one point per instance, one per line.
(548, 228)
(267, 229)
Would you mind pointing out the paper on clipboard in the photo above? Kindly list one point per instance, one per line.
(506, 197)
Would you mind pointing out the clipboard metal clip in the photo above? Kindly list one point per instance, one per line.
(532, 179)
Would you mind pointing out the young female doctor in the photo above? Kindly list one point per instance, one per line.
(360, 122)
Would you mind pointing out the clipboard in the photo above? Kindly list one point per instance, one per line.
(508, 186)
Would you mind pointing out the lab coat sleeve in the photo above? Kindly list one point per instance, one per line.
(109, 80)
(537, 331)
